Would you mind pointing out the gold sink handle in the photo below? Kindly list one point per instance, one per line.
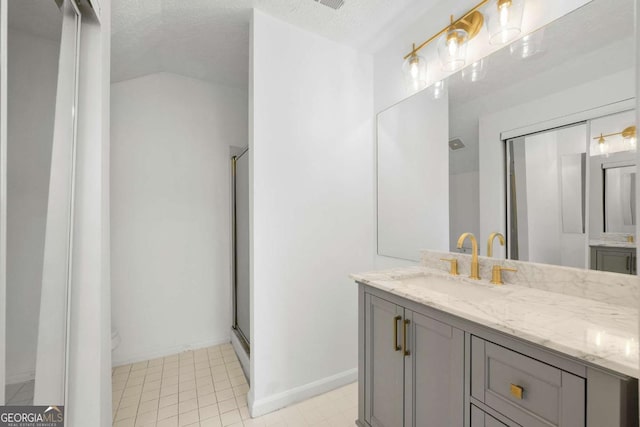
(454, 265)
(496, 274)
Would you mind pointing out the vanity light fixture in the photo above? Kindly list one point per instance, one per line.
(415, 71)
(438, 89)
(475, 72)
(503, 19)
(528, 46)
(629, 134)
(452, 47)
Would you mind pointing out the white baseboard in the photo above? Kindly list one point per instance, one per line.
(20, 377)
(298, 394)
(166, 351)
(243, 357)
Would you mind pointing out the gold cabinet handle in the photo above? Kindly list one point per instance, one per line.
(517, 391)
(404, 337)
(396, 347)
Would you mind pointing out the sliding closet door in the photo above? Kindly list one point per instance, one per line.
(242, 307)
(51, 358)
(3, 194)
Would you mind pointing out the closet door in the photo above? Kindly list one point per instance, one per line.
(51, 360)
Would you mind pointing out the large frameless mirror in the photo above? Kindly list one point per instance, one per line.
(42, 80)
(558, 194)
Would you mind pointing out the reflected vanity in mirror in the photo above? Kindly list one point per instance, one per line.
(42, 74)
(541, 147)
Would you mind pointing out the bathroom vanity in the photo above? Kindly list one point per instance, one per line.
(438, 350)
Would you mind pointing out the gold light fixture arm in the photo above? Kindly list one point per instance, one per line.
(627, 132)
(471, 22)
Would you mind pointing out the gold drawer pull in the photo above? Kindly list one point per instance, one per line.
(517, 391)
(396, 347)
(404, 337)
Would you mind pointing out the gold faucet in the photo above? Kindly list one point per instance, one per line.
(496, 274)
(453, 270)
(474, 256)
(490, 242)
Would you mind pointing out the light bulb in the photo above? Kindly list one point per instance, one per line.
(504, 14)
(452, 44)
(601, 145)
(413, 69)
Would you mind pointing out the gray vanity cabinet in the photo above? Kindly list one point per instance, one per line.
(414, 368)
(616, 260)
(384, 361)
(479, 418)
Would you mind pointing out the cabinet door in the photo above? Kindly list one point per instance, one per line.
(434, 373)
(616, 261)
(384, 363)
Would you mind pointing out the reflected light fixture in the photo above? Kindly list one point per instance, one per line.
(504, 20)
(475, 72)
(629, 135)
(438, 89)
(415, 72)
(528, 46)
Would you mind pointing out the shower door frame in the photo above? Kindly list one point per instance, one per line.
(244, 341)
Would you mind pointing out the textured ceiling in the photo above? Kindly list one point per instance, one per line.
(209, 39)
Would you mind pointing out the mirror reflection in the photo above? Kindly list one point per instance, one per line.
(42, 83)
(542, 151)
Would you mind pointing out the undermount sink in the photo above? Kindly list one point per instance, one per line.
(454, 287)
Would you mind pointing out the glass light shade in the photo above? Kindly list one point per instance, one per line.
(438, 89)
(630, 136)
(475, 72)
(415, 72)
(452, 49)
(504, 20)
(602, 145)
(527, 46)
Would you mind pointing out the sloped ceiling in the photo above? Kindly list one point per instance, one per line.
(209, 39)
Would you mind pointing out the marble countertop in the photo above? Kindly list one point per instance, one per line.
(612, 243)
(599, 333)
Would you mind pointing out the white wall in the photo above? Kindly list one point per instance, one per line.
(463, 206)
(170, 212)
(312, 202)
(32, 81)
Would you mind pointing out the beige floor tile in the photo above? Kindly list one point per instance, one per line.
(224, 394)
(187, 406)
(188, 418)
(187, 395)
(208, 411)
(169, 422)
(227, 405)
(147, 418)
(211, 422)
(129, 422)
(168, 400)
(168, 412)
(167, 390)
(124, 413)
(231, 417)
(207, 400)
(148, 406)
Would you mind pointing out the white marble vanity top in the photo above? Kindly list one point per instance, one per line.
(601, 333)
(612, 244)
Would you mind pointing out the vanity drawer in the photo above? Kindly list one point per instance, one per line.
(479, 418)
(525, 390)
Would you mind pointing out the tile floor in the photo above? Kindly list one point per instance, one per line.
(20, 394)
(207, 388)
